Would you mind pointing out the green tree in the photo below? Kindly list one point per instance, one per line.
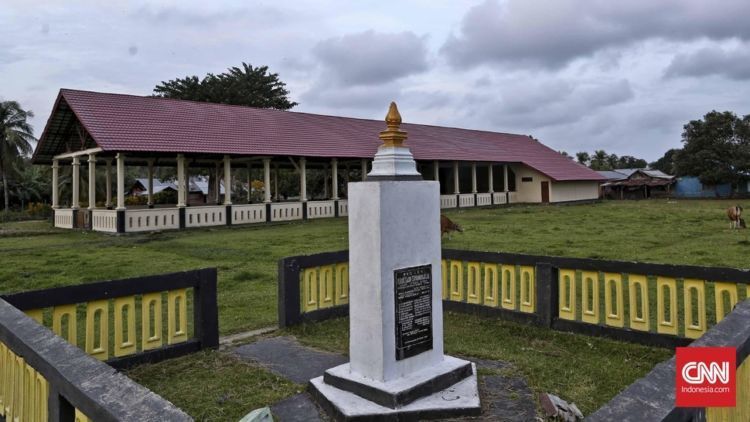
(630, 162)
(583, 158)
(245, 85)
(666, 162)
(716, 149)
(30, 183)
(16, 135)
(600, 160)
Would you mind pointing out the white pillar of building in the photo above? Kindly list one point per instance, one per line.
(120, 157)
(491, 179)
(303, 179)
(456, 184)
(473, 177)
(181, 185)
(249, 182)
(150, 182)
(92, 181)
(334, 178)
(55, 184)
(266, 180)
(75, 202)
(227, 180)
(108, 180)
(364, 169)
(505, 178)
(436, 170)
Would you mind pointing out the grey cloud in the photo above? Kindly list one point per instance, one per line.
(551, 34)
(352, 97)
(184, 16)
(370, 58)
(732, 63)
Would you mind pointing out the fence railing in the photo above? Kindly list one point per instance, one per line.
(656, 304)
(652, 398)
(130, 321)
(44, 378)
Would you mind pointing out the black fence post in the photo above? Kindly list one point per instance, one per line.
(181, 216)
(205, 309)
(336, 208)
(59, 409)
(289, 295)
(268, 212)
(229, 215)
(546, 293)
(304, 210)
(120, 221)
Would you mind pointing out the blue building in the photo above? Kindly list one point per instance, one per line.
(691, 187)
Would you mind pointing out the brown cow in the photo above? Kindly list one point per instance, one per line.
(447, 226)
(735, 217)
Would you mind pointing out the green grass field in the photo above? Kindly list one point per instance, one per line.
(586, 370)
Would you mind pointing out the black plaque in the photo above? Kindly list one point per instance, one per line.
(413, 293)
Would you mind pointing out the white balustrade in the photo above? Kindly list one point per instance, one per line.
(484, 199)
(104, 220)
(448, 201)
(343, 208)
(213, 215)
(285, 211)
(64, 218)
(466, 200)
(248, 213)
(499, 198)
(151, 219)
(321, 209)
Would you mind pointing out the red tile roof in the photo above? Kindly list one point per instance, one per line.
(119, 122)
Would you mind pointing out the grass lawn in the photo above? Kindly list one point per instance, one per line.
(582, 369)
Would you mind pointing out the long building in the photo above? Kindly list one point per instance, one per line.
(475, 168)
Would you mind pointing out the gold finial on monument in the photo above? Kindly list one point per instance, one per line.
(393, 136)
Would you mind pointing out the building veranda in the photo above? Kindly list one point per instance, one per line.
(240, 144)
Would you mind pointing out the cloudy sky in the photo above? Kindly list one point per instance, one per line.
(576, 74)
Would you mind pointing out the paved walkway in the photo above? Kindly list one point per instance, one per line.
(505, 395)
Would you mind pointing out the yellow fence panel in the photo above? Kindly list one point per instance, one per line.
(721, 292)
(638, 309)
(42, 397)
(741, 412)
(474, 283)
(18, 379)
(97, 341)
(65, 315)
(566, 307)
(342, 283)
(695, 316)
(80, 417)
(590, 297)
(36, 314)
(325, 287)
(125, 336)
(151, 322)
(508, 290)
(528, 290)
(491, 285)
(309, 289)
(444, 276)
(666, 321)
(614, 312)
(456, 281)
(177, 327)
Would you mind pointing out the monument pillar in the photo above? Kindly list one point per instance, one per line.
(397, 364)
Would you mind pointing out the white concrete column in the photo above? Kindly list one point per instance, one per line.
(473, 177)
(436, 170)
(92, 181)
(55, 187)
(491, 178)
(364, 169)
(75, 202)
(120, 157)
(276, 182)
(249, 182)
(334, 178)
(457, 186)
(505, 178)
(150, 182)
(227, 180)
(108, 180)
(303, 179)
(181, 188)
(266, 180)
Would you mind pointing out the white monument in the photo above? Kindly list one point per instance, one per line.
(397, 367)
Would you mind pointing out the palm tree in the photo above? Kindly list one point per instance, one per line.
(16, 135)
(30, 182)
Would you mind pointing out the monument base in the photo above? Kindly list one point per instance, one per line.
(450, 391)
